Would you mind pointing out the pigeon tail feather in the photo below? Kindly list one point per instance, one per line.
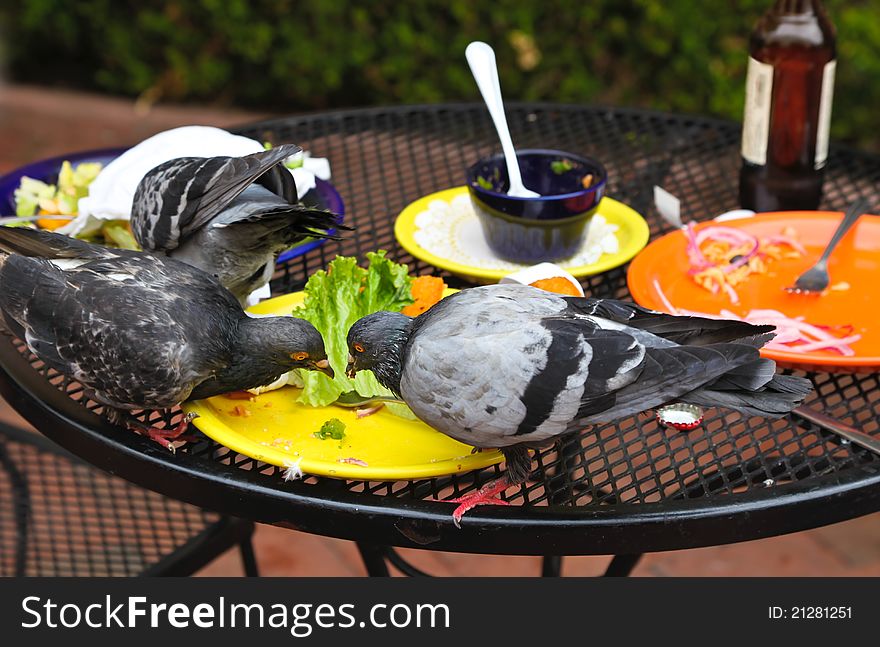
(773, 400)
(297, 221)
(730, 375)
(681, 329)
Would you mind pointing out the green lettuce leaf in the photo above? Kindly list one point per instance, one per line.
(73, 184)
(28, 195)
(119, 235)
(334, 300)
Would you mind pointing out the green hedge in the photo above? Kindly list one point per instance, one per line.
(295, 56)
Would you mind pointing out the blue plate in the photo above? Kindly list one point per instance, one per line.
(323, 196)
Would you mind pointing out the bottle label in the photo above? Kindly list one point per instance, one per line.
(756, 119)
(824, 124)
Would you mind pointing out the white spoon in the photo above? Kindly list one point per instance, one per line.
(481, 59)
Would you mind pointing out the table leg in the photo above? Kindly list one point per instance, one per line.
(622, 565)
(398, 562)
(374, 560)
(551, 566)
(248, 559)
(21, 505)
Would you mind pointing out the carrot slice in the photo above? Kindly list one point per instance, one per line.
(556, 284)
(426, 291)
(52, 223)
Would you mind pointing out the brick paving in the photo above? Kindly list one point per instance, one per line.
(36, 123)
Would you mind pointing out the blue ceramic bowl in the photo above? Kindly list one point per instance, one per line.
(531, 230)
(323, 196)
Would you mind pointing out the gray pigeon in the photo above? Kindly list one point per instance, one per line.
(140, 331)
(230, 216)
(513, 367)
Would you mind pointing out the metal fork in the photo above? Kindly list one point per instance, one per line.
(816, 278)
(860, 438)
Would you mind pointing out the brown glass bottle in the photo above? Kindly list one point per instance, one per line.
(789, 88)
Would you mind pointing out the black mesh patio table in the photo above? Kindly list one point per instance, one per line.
(620, 489)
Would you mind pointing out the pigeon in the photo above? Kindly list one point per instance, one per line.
(140, 331)
(230, 216)
(513, 367)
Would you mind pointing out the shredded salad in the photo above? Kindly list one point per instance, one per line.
(792, 333)
(722, 257)
(51, 206)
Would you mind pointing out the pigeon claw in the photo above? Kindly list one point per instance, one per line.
(166, 437)
(486, 495)
(162, 441)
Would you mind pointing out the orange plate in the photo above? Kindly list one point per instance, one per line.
(856, 260)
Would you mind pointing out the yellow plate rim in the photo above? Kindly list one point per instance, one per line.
(216, 429)
(616, 213)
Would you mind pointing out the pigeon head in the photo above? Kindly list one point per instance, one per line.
(375, 343)
(287, 342)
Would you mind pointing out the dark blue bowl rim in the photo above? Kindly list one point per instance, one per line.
(324, 192)
(547, 152)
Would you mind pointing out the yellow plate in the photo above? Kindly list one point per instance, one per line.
(632, 236)
(278, 430)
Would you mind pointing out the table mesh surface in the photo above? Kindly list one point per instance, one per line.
(384, 159)
(80, 521)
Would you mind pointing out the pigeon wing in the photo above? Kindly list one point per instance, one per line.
(46, 244)
(675, 328)
(182, 195)
(585, 366)
(279, 180)
(667, 374)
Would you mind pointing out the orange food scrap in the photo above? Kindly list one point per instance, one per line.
(241, 395)
(52, 223)
(239, 410)
(556, 284)
(426, 291)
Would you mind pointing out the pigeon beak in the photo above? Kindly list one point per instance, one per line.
(324, 367)
(350, 370)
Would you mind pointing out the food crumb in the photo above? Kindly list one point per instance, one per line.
(363, 413)
(239, 410)
(353, 461)
(560, 166)
(587, 181)
(241, 395)
(840, 286)
(333, 428)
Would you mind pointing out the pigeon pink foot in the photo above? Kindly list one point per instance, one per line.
(486, 495)
(165, 437)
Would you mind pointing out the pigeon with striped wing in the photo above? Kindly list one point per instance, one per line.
(514, 367)
(229, 216)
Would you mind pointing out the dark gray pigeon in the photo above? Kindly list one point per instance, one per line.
(513, 367)
(140, 331)
(230, 216)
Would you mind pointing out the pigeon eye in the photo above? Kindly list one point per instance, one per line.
(300, 356)
(359, 348)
